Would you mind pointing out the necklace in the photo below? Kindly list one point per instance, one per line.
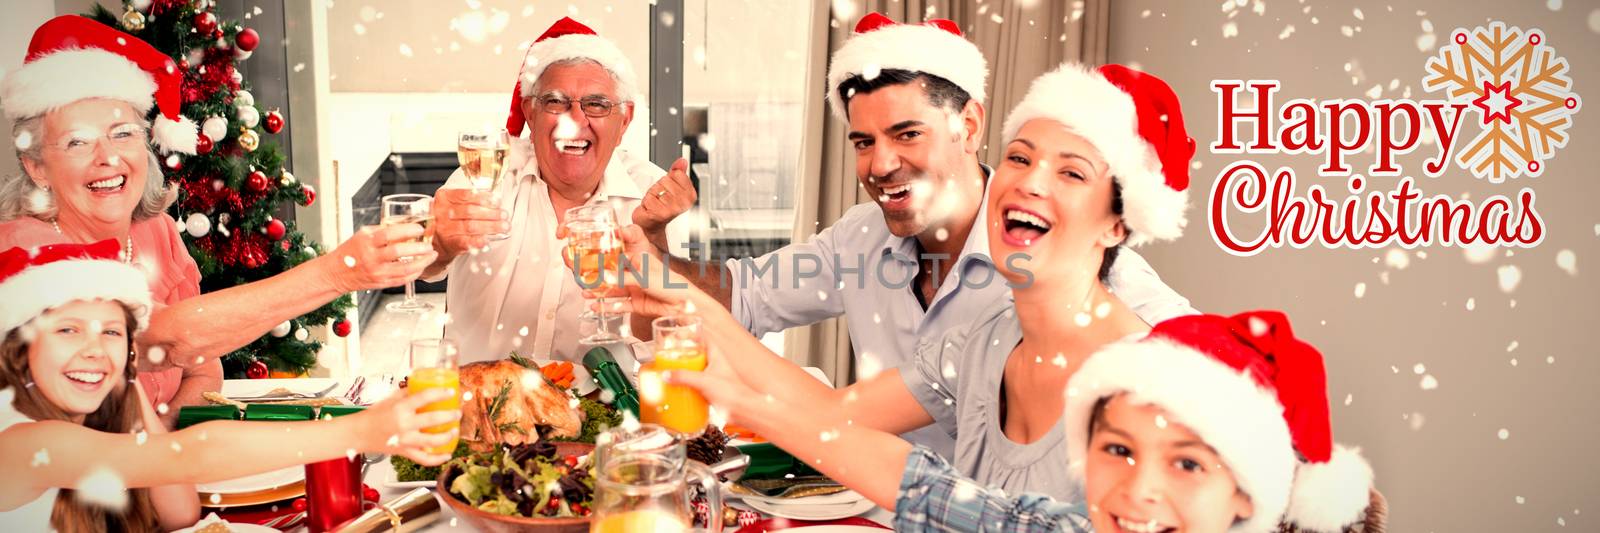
(126, 255)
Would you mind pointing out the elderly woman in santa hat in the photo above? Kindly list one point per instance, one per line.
(83, 451)
(90, 173)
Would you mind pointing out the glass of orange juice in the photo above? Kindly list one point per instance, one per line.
(680, 347)
(434, 366)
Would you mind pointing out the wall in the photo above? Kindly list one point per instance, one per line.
(16, 29)
(455, 48)
(1439, 454)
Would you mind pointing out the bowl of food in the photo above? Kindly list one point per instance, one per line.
(544, 486)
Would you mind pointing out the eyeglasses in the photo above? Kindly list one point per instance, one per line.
(593, 106)
(80, 144)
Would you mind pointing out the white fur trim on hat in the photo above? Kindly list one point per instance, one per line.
(1088, 105)
(913, 47)
(37, 289)
(580, 46)
(66, 76)
(1329, 496)
(1240, 420)
(182, 135)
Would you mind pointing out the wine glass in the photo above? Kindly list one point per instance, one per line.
(409, 209)
(593, 246)
(482, 154)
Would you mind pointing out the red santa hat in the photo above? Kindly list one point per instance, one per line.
(35, 280)
(569, 39)
(1136, 123)
(935, 47)
(1255, 394)
(72, 58)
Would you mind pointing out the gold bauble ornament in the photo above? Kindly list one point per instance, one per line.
(285, 178)
(132, 20)
(249, 139)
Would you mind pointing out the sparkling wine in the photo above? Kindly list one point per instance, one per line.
(594, 254)
(482, 160)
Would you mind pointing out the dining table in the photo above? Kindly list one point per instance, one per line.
(379, 473)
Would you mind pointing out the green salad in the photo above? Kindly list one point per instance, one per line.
(597, 417)
(529, 480)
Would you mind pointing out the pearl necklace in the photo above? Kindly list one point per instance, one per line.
(126, 255)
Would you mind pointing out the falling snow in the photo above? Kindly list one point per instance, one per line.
(1567, 261)
(1429, 382)
(1506, 434)
(1361, 289)
(104, 488)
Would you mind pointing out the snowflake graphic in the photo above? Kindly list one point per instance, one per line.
(1520, 90)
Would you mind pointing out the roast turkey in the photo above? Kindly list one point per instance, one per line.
(530, 404)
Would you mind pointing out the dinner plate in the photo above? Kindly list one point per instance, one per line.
(223, 501)
(836, 529)
(848, 496)
(812, 511)
(256, 483)
(234, 527)
(238, 388)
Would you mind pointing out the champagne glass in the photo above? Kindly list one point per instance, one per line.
(593, 245)
(680, 347)
(434, 366)
(482, 154)
(409, 209)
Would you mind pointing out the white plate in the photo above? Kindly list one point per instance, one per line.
(813, 512)
(233, 527)
(234, 388)
(255, 483)
(848, 496)
(836, 529)
(582, 384)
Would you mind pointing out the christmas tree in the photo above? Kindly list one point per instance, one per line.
(228, 190)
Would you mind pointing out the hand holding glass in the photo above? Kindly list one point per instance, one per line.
(434, 366)
(482, 154)
(409, 209)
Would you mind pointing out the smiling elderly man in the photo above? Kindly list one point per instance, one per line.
(575, 94)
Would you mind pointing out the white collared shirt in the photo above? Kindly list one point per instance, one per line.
(519, 296)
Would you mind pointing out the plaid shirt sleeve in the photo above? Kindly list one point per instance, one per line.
(934, 497)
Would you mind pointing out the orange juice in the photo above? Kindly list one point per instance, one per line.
(640, 521)
(437, 378)
(679, 408)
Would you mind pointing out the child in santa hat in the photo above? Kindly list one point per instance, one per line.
(84, 451)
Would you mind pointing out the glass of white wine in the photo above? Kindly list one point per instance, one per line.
(482, 154)
(409, 209)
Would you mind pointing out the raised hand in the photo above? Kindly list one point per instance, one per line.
(379, 257)
(672, 195)
(463, 219)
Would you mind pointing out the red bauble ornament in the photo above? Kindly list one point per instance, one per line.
(257, 182)
(341, 328)
(256, 370)
(202, 144)
(311, 195)
(274, 122)
(205, 23)
(275, 229)
(247, 40)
